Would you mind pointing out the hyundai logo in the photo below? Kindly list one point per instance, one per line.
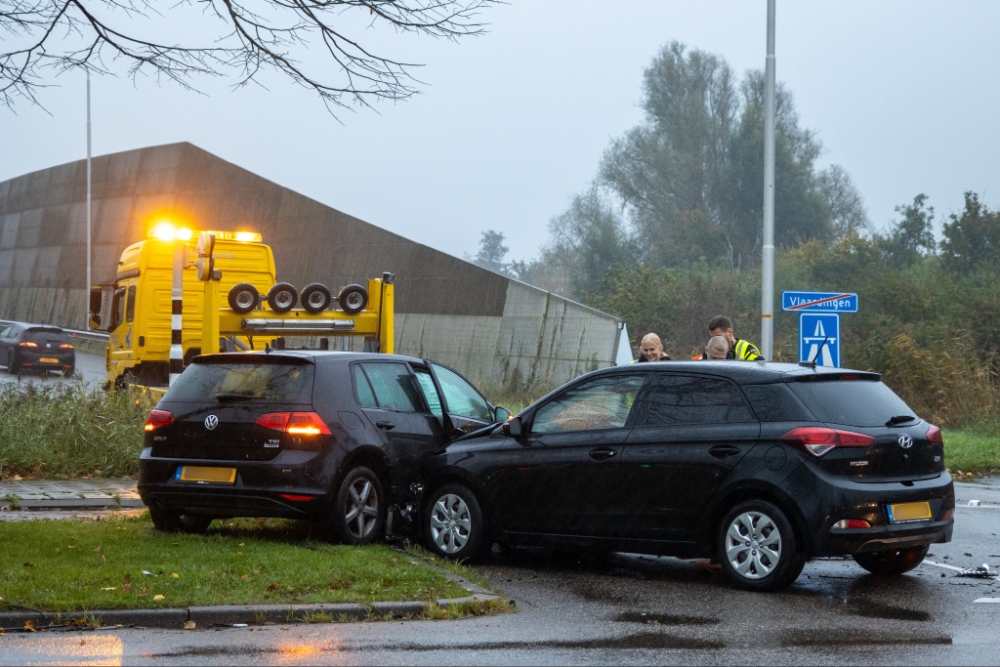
(905, 441)
(212, 421)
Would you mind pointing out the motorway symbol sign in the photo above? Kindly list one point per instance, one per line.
(819, 338)
(822, 302)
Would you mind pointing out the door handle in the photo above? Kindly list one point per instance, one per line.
(602, 454)
(388, 426)
(724, 451)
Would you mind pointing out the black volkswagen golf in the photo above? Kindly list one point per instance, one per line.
(759, 466)
(333, 437)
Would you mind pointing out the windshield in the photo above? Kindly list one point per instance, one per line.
(281, 383)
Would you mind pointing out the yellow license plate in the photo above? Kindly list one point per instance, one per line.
(205, 474)
(909, 512)
(49, 360)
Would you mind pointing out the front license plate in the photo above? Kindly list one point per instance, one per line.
(49, 360)
(205, 474)
(909, 512)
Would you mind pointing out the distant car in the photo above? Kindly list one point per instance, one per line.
(758, 466)
(332, 437)
(36, 347)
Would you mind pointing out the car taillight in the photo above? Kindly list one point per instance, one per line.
(158, 419)
(27, 343)
(852, 523)
(818, 441)
(934, 434)
(295, 423)
(297, 498)
(66, 346)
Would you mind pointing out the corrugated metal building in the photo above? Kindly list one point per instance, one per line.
(493, 329)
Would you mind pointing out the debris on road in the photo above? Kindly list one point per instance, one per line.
(981, 572)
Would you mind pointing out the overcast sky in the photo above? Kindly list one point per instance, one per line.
(513, 123)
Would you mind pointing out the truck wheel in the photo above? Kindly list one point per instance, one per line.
(282, 297)
(315, 298)
(243, 298)
(891, 562)
(353, 299)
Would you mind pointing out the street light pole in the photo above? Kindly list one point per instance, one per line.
(767, 274)
(89, 279)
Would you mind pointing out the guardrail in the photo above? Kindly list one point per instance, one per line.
(72, 333)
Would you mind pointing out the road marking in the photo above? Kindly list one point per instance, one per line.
(944, 565)
(986, 601)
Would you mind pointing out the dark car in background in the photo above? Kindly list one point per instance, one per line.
(759, 466)
(36, 348)
(332, 437)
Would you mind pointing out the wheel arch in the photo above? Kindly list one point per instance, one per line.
(368, 456)
(758, 491)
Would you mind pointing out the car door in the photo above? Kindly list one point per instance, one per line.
(692, 432)
(466, 407)
(560, 477)
(7, 338)
(391, 400)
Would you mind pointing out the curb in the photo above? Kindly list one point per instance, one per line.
(232, 614)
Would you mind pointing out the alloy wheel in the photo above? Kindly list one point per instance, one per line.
(753, 545)
(450, 523)
(361, 515)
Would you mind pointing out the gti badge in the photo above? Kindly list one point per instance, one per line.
(212, 421)
(905, 441)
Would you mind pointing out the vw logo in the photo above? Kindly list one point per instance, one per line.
(905, 441)
(212, 421)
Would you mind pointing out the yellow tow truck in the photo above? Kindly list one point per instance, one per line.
(138, 309)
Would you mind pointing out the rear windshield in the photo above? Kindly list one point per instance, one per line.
(852, 402)
(280, 383)
(45, 336)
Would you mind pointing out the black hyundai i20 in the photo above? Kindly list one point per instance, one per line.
(332, 437)
(759, 466)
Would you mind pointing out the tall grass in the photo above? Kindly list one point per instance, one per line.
(68, 430)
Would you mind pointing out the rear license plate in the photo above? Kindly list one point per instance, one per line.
(904, 512)
(49, 360)
(205, 474)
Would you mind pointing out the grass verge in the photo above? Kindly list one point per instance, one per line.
(968, 452)
(124, 563)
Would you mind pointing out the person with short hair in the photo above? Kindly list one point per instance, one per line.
(651, 349)
(717, 348)
(743, 350)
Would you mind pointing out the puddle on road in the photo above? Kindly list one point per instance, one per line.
(664, 619)
(855, 638)
(892, 613)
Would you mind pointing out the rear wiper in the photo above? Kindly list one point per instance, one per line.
(900, 419)
(235, 396)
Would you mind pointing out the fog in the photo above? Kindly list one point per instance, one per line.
(511, 124)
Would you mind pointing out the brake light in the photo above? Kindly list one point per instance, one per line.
(848, 524)
(158, 419)
(296, 498)
(27, 343)
(948, 515)
(934, 434)
(66, 346)
(295, 423)
(818, 441)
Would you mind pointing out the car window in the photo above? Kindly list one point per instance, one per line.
(430, 392)
(393, 386)
(462, 397)
(775, 403)
(6, 331)
(117, 311)
(130, 305)
(363, 388)
(46, 335)
(285, 383)
(686, 399)
(851, 402)
(601, 403)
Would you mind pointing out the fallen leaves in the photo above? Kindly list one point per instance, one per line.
(28, 564)
(29, 626)
(190, 625)
(157, 598)
(273, 587)
(125, 588)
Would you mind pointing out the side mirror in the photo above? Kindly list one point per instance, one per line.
(500, 415)
(513, 427)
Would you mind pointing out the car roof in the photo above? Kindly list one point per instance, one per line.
(27, 326)
(744, 372)
(315, 356)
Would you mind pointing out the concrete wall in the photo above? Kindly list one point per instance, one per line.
(487, 326)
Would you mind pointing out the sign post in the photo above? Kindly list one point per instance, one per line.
(819, 323)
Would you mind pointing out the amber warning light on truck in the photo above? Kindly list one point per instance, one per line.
(167, 231)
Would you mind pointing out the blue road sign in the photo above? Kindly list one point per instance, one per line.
(820, 302)
(814, 330)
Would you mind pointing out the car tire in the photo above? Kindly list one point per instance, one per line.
(282, 297)
(891, 562)
(757, 548)
(454, 526)
(353, 299)
(13, 367)
(243, 298)
(68, 372)
(315, 298)
(173, 521)
(359, 508)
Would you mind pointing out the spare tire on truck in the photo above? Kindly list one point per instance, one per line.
(353, 299)
(243, 298)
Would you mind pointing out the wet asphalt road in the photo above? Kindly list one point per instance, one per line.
(630, 610)
(90, 370)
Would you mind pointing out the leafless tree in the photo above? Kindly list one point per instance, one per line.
(238, 38)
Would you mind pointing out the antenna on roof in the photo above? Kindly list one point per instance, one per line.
(812, 362)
